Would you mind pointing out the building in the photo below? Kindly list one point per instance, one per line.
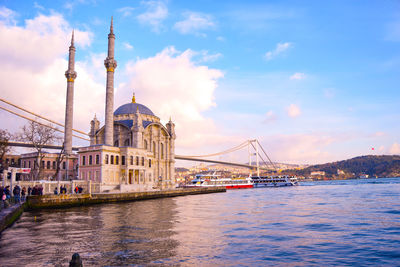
(48, 165)
(133, 151)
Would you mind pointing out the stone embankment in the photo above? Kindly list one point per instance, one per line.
(10, 215)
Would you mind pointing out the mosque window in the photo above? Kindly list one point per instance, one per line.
(106, 159)
(83, 160)
(137, 160)
(122, 160)
(97, 159)
(149, 163)
(131, 160)
(117, 160)
(142, 161)
(112, 159)
(90, 159)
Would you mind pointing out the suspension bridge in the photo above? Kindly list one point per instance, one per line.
(255, 151)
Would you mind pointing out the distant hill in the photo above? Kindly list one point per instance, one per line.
(381, 166)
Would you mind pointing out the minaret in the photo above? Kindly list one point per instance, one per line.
(110, 65)
(70, 74)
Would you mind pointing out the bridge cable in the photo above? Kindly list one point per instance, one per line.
(22, 116)
(39, 116)
(244, 144)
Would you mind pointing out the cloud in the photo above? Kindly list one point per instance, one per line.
(395, 148)
(299, 148)
(221, 38)
(32, 79)
(126, 11)
(127, 45)
(298, 76)
(269, 117)
(182, 89)
(7, 16)
(293, 111)
(194, 23)
(329, 93)
(37, 6)
(279, 49)
(203, 56)
(156, 12)
(21, 44)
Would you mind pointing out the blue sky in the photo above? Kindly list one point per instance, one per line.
(314, 81)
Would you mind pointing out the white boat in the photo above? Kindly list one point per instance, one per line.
(273, 181)
(203, 180)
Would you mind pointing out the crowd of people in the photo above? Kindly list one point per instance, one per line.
(19, 194)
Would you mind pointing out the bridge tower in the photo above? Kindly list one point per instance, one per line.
(70, 74)
(110, 63)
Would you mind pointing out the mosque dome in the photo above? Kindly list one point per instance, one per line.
(131, 108)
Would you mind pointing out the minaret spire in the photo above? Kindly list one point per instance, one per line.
(70, 74)
(110, 63)
(111, 26)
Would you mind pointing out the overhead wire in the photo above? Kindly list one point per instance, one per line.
(49, 126)
(39, 116)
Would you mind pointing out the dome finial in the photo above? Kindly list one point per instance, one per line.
(133, 98)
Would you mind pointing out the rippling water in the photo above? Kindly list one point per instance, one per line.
(335, 223)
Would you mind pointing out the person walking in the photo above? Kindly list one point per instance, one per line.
(29, 190)
(23, 193)
(17, 194)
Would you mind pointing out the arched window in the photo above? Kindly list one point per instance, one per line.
(112, 159)
(126, 143)
(149, 163)
(142, 161)
(116, 143)
(145, 144)
(162, 150)
(137, 160)
(106, 159)
(90, 159)
(154, 148)
(48, 165)
(54, 165)
(117, 160)
(131, 160)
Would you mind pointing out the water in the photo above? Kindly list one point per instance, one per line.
(333, 223)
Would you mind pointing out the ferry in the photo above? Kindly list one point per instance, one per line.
(202, 180)
(273, 181)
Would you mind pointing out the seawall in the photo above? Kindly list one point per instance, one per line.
(71, 200)
(10, 215)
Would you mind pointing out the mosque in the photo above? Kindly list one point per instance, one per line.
(132, 151)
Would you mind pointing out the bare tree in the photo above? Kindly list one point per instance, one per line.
(39, 136)
(5, 137)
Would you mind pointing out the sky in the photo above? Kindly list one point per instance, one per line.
(313, 81)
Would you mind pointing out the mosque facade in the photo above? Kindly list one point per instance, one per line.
(133, 150)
